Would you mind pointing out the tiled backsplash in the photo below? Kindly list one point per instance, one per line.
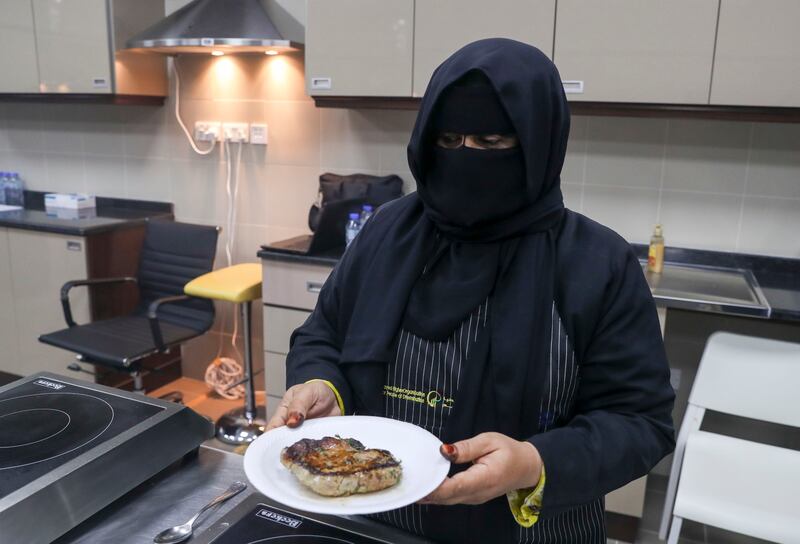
(713, 184)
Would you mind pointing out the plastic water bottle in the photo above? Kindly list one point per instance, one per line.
(366, 213)
(15, 190)
(2, 187)
(352, 228)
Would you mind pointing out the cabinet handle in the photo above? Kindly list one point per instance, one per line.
(313, 286)
(573, 86)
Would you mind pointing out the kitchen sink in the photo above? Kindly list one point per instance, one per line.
(709, 289)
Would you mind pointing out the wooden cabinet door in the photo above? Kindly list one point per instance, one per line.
(18, 69)
(73, 45)
(757, 61)
(40, 264)
(636, 50)
(359, 47)
(9, 347)
(443, 26)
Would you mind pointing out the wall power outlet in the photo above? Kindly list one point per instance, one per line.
(207, 131)
(236, 132)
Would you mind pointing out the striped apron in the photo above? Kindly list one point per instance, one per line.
(421, 387)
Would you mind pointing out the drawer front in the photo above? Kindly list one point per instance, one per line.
(292, 284)
(279, 323)
(275, 374)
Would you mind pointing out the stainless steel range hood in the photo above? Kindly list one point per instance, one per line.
(214, 27)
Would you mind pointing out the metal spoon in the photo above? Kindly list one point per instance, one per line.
(179, 533)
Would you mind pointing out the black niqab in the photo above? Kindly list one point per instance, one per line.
(435, 284)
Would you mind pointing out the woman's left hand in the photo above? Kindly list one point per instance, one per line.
(500, 464)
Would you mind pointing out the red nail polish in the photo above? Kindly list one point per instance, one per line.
(449, 451)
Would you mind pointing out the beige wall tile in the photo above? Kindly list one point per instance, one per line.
(625, 152)
(31, 166)
(105, 176)
(706, 221)
(198, 79)
(102, 129)
(630, 212)
(148, 179)
(145, 133)
(65, 173)
(573, 196)
(706, 156)
(281, 77)
(294, 133)
(775, 161)
(396, 127)
(575, 161)
(59, 122)
(275, 194)
(351, 139)
(770, 226)
(198, 190)
(24, 126)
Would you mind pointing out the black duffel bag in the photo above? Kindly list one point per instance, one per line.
(363, 188)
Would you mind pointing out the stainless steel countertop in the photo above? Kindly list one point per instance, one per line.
(708, 289)
(168, 499)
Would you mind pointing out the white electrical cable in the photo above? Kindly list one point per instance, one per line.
(178, 113)
(223, 372)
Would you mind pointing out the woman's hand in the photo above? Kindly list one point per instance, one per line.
(305, 401)
(500, 464)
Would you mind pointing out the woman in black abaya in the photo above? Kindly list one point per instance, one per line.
(528, 329)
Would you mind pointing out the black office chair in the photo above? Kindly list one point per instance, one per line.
(172, 255)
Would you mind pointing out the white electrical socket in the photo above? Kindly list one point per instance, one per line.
(236, 132)
(207, 131)
(259, 134)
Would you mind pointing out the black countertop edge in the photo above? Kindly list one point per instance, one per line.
(111, 214)
(778, 277)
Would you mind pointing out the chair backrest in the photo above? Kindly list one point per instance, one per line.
(749, 377)
(173, 254)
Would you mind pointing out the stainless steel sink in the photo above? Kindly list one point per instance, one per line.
(721, 290)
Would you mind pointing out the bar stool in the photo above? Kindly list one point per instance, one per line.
(241, 285)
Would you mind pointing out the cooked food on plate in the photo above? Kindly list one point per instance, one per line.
(336, 467)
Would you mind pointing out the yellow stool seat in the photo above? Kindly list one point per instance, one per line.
(237, 283)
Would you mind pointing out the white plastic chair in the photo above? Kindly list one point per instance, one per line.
(726, 482)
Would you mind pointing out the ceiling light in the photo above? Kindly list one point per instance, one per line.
(217, 53)
(270, 52)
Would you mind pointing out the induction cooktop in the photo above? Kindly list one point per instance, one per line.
(68, 448)
(259, 520)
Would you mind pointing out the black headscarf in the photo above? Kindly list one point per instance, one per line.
(439, 269)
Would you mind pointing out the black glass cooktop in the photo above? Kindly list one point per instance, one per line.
(45, 423)
(265, 523)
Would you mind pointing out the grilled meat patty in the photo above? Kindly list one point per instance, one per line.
(336, 467)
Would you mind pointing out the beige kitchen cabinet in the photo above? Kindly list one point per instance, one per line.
(757, 60)
(443, 26)
(18, 70)
(40, 263)
(73, 45)
(289, 291)
(9, 345)
(359, 47)
(646, 51)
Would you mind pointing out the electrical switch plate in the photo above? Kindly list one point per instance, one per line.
(236, 132)
(207, 131)
(259, 134)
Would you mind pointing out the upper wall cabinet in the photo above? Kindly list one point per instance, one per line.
(76, 47)
(636, 50)
(17, 48)
(442, 26)
(73, 45)
(757, 61)
(359, 47)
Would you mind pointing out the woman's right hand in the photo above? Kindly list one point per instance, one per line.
(305, 401)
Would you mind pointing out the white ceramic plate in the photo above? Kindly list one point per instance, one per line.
(418, 451)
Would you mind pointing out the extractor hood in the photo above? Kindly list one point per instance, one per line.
(216, 27)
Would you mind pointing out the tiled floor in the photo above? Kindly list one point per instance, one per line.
(198, 397)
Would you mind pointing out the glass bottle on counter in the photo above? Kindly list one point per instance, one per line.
(2, 187)
(352, 228)
(655, 254)
(14, 190)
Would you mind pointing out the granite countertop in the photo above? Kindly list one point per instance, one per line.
(110, 214)
(778, 278)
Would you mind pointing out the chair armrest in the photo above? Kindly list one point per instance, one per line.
(65, 289)
(152, 316)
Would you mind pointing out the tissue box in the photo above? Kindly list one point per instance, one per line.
(71, 201)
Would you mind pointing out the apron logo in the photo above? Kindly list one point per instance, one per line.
(434, 398)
